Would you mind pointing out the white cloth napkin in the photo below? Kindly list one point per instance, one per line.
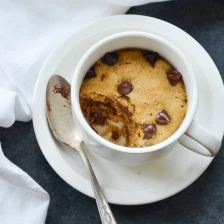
(22, 200)
(29, 30)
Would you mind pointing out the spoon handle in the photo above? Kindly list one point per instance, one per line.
(106, 214)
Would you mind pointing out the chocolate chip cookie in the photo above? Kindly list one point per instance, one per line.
(133, 97)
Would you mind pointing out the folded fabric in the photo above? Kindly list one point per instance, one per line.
(22, 200)
(29, 30)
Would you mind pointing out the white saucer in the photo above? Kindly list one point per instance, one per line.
(130, 185)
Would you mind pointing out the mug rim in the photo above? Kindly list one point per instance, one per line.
(100, 140)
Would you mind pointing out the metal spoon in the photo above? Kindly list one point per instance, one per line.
(59, 115)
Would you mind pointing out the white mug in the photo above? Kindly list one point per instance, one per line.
(190, 134)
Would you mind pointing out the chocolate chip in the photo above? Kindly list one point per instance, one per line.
(146, 52)
(110, 58)
(115, 135)
(149, 130)
(124, 88)
(163, 118)
(90, 73)
(150, 56)
(174, 76)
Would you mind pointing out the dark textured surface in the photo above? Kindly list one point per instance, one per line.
(201, 203)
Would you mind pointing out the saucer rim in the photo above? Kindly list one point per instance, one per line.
(85, 188)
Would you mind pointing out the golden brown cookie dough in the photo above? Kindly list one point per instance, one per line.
(123, 118)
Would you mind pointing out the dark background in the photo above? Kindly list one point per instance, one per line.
(202, 202)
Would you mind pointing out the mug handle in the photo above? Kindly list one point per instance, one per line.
(200, 140)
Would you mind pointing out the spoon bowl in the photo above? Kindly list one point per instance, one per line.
(60, 119)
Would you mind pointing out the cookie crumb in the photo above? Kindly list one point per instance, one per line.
(65, 92)
(48, 106)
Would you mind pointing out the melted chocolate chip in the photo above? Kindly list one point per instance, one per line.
(99, 119)
(115, 135)
(124, 88)
(90, 73)
(150, 56)
(149, 130)
(125, 110)
(163, 118)
(174, 76)
(110, 58)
